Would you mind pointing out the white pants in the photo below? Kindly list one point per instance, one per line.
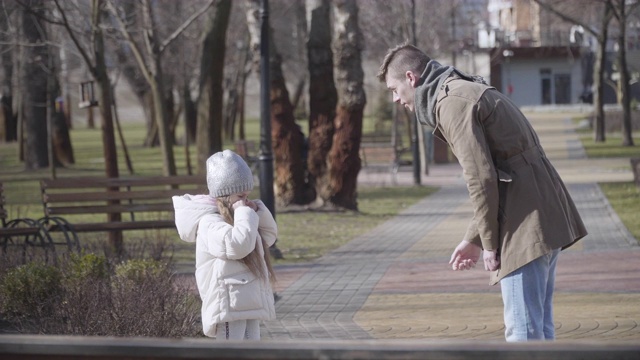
(238, 330)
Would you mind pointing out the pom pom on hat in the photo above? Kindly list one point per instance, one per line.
(227, 174)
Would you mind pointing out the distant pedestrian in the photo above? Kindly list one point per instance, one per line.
(523, 214)
(232, 236)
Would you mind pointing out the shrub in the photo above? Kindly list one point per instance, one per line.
(86, 307)
(146, 301)
(137, 271)
(30, 291)
(87, 295)
(88, 266)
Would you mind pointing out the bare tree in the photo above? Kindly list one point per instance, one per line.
(621, 11)
(287, 137)
(92, 51)
(44, 132)
(601, 33)
(35, 72)
(95, 61)
(209, 134)
(8, 46)
(150, 63)
(323, 95)
(344, 159)
(128, 69)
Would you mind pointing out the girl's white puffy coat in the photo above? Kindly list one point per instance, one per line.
(219, 247)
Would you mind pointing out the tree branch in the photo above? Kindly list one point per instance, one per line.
(568, 18)
(134, 47)
(39, 16)
(185, 25)
(76, 41)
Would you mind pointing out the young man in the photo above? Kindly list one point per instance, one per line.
(523, 214)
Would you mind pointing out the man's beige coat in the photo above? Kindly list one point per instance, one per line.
(521, 205)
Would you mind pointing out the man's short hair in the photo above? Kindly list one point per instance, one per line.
(401, 59)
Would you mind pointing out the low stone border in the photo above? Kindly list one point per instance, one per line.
(77, 347)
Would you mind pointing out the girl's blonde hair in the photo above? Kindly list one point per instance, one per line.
(253, 261)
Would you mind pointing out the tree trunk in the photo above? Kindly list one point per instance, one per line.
(323, 97)
(61, 140)
(153, 135)
(598, 79)
(625, 100)
(151, 139)
(299, 100)
(235, 94)
(344, 159)
(599, 68)
(104, 95)
(8, 119)
(209, 134)
(288, 139)
(162, 121)
(190, 115)
(133, 74)
(105, 102)
(34, 77)
(156, 82)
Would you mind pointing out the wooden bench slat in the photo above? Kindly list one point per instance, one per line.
(23, 230)
(107, 209)
(147, 198)
(120, 225)
(96, 182)
(112, 195)
(9, 232)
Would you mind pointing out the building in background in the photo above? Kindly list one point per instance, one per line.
(538, 59)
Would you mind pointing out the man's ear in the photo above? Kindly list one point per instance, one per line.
(411, 78)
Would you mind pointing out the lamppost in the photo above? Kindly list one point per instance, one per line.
(265, 157)
(508, 54)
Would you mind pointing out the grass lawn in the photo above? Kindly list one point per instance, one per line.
(303, 235)
(625, 200)
(611, 147)
(623, 197)
(307, 235)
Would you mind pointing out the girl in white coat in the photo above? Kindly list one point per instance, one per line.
(232, 236)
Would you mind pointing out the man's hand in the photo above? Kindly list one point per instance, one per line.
(465, 256)
(491, 260)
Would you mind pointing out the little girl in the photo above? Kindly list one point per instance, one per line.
(232, 236)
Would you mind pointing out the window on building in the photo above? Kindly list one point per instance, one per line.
(555, 88)
(545, 86)
(562, 88)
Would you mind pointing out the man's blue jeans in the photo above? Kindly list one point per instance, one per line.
(527, 294)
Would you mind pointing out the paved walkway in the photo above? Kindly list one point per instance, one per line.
(395, 283)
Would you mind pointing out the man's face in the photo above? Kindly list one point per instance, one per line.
(403, 89)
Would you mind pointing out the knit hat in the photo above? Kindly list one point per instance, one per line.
(227, 174)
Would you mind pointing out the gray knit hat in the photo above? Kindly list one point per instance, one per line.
(227, 174)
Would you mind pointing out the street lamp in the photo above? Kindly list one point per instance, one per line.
(508, 54)
(265, 156)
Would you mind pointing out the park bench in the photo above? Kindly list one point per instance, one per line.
(379, 153)
(97, 204)
(22, 233)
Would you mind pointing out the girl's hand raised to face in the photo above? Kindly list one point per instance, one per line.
(245, 202)
(252, 204)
